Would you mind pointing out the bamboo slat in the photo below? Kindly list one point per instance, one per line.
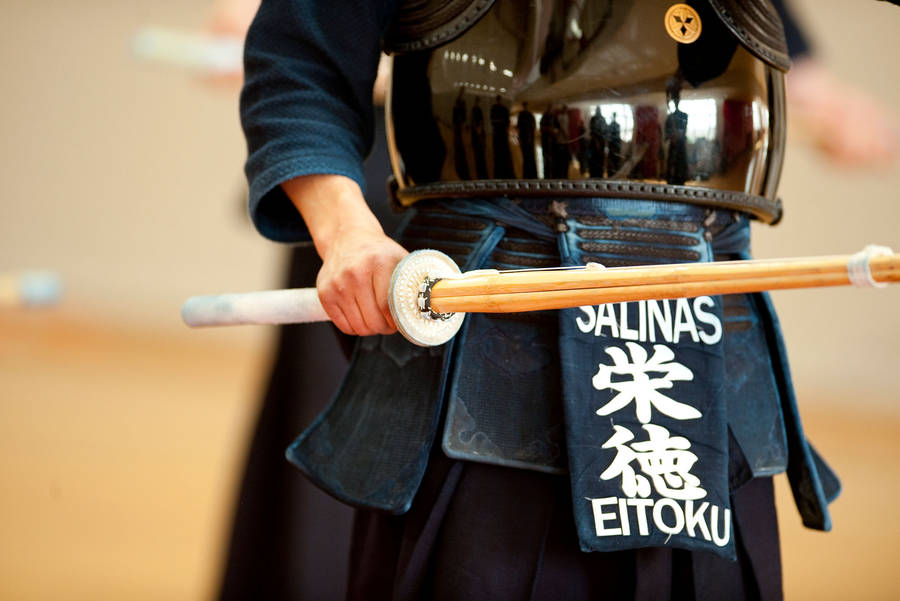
(561, 299)
(883, 268)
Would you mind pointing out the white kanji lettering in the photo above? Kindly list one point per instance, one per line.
(633, 484)
(641, 388)
(665, 459)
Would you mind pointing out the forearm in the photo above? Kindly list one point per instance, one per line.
(332, 206)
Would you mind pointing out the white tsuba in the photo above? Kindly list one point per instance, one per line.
(419, 324)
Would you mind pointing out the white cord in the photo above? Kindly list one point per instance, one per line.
(858, 266)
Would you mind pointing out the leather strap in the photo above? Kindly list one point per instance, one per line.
(764, 209)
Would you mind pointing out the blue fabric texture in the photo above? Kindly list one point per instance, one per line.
(300, 57)
(509, 360)
(371, 445)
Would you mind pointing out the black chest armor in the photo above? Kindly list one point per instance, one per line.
(588, 98)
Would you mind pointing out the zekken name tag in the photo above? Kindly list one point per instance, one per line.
(645, 425)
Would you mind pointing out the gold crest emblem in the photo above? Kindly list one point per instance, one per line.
(683, 23)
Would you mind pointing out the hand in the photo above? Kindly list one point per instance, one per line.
(354, 281)
(358, 258)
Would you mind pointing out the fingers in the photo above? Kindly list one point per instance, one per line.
(372, 316)
(356, 297)
(381, 288)
(333, 309)
(354, 280)
(347, 311)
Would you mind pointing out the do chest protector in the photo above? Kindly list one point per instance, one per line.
(590, 98)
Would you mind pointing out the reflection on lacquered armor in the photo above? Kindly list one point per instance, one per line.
(597, 148)
(525, 124)
(478, 140)
(614, 144)
(574, 91)
(459, 127)
(500, 137)
(676, 135)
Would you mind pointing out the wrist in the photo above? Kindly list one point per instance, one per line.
(333, 208)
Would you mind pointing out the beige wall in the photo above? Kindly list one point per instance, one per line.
(123, 176)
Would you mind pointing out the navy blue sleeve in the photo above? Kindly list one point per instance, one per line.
(306, 106)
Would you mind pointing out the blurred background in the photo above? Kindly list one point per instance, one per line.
(122, 433)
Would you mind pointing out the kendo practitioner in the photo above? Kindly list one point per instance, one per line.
(608, 452)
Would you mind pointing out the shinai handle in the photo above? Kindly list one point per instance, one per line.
(269, 307)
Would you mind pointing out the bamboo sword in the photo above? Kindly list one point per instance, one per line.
(429, 296)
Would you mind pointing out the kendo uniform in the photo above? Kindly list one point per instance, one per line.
(603, 452)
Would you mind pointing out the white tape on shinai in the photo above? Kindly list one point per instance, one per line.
(858, 271)
(270, 307)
